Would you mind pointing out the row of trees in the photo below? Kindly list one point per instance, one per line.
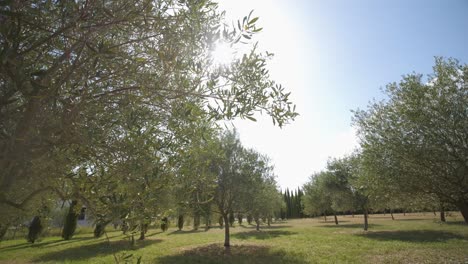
(293, 205)
(113, 106)
(413, 150)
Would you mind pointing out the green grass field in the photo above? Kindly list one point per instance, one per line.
(413, 238)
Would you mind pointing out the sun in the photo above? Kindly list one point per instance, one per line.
(223, 54)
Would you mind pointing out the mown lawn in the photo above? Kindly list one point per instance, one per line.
(414, 238)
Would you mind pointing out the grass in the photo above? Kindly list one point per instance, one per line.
(414, 238)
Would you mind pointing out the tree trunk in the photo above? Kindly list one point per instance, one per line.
(207, 222)
(366, 223)
(325, 216)
(180, 222)
(442, 213)
(257, 221)
(352, 214)
(3, 230)
(14, 233)
(391, 213)
(143, 229)
(196, 221)
(336, 218)
(463, 207)
(435, 214)
(226, 230)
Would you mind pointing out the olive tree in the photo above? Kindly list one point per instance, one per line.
(421, 129)
(66, 65)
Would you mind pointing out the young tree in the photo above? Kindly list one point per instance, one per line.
(266, 200)
(316, 199)
(337, 184)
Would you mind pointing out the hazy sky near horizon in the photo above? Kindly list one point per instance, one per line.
(335, 56)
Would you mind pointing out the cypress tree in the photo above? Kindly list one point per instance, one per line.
(71, 218)
(232, 219)
(124, 227)
(180, 222)
(249, 219)
(99, 228)
(164, 224)
(196, 221)
(257, 222)
(288, 204)
(143, 230)
(239, 218)
(207, 222)
(35, 229)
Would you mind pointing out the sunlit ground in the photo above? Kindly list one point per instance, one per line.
(414, 238)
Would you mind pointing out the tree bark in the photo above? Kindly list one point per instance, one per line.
(391, 213)
(207, 222)
(442, 213)
(180, 222)
(463, 207)
(336, 218)
(143, 229)
(257, 222)
(3, 230)
(226, 230)
(366, 222)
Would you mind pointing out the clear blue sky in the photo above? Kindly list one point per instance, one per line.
(335, 56)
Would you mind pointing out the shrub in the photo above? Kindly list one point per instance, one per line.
(180, 222)
(69, 225)
(35, 229)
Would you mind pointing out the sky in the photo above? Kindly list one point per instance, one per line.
(336, 56)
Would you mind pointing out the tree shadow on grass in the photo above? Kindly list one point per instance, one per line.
(361, 226)
(262, 234)
(458, 223)
(419, 236)
(88, 251)
(153, 234)
(413, 219)
(217, 253)
(265, 226)
(182, 232)
(40, 244)
(332, 221)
